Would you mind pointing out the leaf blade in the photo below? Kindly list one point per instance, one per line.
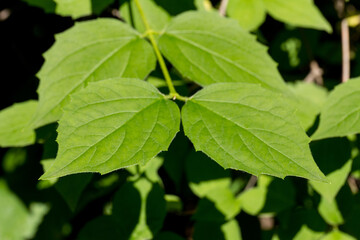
(115, 51)
(100, 129)
(246, 127)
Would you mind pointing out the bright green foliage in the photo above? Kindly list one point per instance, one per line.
(100, 131)
(309, 100)
(207, 48)
(15, 220)
(246, 127)
(330, 212)
(80, 8)
(340, 116)
(15, 130)
(302, 13)
(115, 50)
(249, 13)
(337, 235)
(157, 17)
(47, 5)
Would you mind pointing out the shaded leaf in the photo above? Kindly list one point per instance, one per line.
(115, 50)
(15, 130)
(246, 127)
(100, 131)
(47, 5)
(80, 8)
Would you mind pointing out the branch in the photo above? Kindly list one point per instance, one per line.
(345, 43)
(315, 74)
(223, 6)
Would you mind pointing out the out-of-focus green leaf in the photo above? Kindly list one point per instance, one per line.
(13, 158)
(205, 175)
(246, 127)
(333, 157)
(249, 13)
(100, 131)
(340, 115)
(80, 8)
(15, 130)
(217, 230)
(330, 212)
(301, 13)
(150, 169)
(310, 99)
(168, 236)
(104, 228)
(337, 235)
(156, 16)
(139, 208)
(116, 50)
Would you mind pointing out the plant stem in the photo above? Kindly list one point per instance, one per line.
(157, 51)
(345, 42)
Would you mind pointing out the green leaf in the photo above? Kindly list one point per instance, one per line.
(156, 16)
(13, 158)
(337, 235)
(340, 115)
(79, 56)
(310, 99)
(301, 13)
(80, 8)
(246, 127)
(103, 227)
(207, 48)
(333, 157)
(330, 212)
(113, 124)
(216, 230)
(47, 5)
(249, 13)
(15, 130)
(168, 236)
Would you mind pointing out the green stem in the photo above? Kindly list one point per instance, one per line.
(161, 60)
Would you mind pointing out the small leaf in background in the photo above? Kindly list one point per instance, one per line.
(15, 128)
(47, 5)
(249, 13)
(333, 156)
(100, 131)
(246, 127)
(156, 16)
(115, 50)
(80, 8)
(337, 235)
(204, 175)
(340, 115)
(13, 158)
(300, 13)
(310, 99)
(330, 212)
(150, 169)
(139, 208)
(207, 48)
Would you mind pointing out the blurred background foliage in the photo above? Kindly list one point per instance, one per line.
(181, 194)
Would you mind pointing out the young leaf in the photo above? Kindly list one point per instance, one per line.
(340, 115)
(207, 48)
(156, 16)
(249, 13)
(113, 124)
(80, 56)
(329, 210)
(336, 235)
(246, 127)
(302, 13)
(15, 130)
